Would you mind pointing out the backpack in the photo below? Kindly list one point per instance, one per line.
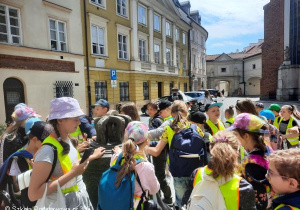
(187, 152)
(110, 197)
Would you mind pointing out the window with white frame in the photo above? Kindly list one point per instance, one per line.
(183, 38)
(168, 56)
(122, 47)
(58, 40)
(124, 91)
(10, 25)
(142, 15)
(100, 90)
(157, 53)
(177, 35)
(142, 50)
(177, 58)
(184, 60)
(98, 43)
(121, 7)
(156, 22)
(98, 2)
(168, 28)
(223, 70)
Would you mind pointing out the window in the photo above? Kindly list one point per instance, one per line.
(157, 53)
(185, 87)
(63, 89)
(142, 50)
(10, 28)
(156, 22)
(124, 91)
(253, 66)
(177, 58)
(100, 90)
(168, 56)
(184, 60)
(98, 2)
(168, 29)
(171, 86)
(183, 39)
(177, 35)
(146, 90)
(194, 60)
(122, 40)
(98, 40)
(223, 70)
(202, 40)
(58, 35)
(142, 15)
(121, 7)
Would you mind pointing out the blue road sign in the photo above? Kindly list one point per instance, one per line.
(113, 74)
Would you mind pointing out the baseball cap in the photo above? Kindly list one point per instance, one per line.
(137, 132)
(64, 107)
(197, 117)
(208, 106)
(101, 102)
(164, 104)
(268, 114)
(24, 113)
(248, 122)
(41, 130)
(29, 123)
(260, 105)
(274, 107)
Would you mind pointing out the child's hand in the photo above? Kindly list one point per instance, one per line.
(98, 153)
(117, 150)
(81, 147)
(78, 168)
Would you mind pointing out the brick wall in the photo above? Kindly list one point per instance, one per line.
(28, 63)
(273, 50)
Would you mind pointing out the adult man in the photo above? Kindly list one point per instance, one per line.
(175, 95)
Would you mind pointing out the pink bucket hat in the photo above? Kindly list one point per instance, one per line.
(64, 107)
(24, 113)
(137, 131)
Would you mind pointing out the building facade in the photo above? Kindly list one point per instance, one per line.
(233, 71)
(145, 41)
(41, 54)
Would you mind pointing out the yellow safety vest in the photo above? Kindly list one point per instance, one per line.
(293, 141)
(213, 127)
(282, 205)
(79, 135)
(64, 160)
(229, 190)
(230, 121)
(275, 123)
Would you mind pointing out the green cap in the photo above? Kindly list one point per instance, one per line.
(274, 107)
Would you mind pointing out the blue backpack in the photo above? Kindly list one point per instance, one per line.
(187, 152)
(110, 197)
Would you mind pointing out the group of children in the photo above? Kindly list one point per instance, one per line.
(248, 162)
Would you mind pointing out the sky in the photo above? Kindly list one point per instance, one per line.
(231, 24)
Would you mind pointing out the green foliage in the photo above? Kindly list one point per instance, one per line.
(2, 128)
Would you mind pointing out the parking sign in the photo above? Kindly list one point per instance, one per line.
(113, 74)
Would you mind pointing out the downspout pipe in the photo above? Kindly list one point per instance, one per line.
(87, 59)
(244, 78)
(190, 65)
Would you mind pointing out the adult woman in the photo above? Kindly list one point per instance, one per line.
(64, 117)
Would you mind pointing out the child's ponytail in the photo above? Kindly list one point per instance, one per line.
(179, 112)
(66, 146)
(295, 112)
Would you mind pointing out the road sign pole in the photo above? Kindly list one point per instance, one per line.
(113, 98)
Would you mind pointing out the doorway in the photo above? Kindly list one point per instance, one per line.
(13, 94)
(159, 89)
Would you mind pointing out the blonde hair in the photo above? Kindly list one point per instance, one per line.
(180, 111)
(12, 130)
(224, 149)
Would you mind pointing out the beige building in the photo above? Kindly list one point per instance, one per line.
(146, 42)
(236, 70)
(41, 54)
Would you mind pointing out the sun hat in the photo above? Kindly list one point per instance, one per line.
(19, 106)
(268, 114)
(248, 122)
(29, 123)
(164, 104)
(208, 106)
(101, 102)
(41, 130)
(24, 113)
(260, 105)
(274, 107)
(197, 117)
(64, 107)
(137, 132)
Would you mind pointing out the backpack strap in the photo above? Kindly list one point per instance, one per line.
(194, 127)
(54, 160)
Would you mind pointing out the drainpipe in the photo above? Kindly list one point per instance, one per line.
(87, 59)
(244, 78)
(190, 65)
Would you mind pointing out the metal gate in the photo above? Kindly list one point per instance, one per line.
(13, 94)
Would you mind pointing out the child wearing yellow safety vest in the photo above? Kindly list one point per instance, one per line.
(64, 117)
(285, 122)
(229, 116)
(213, 124)
(284, 177)
(236, 192)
